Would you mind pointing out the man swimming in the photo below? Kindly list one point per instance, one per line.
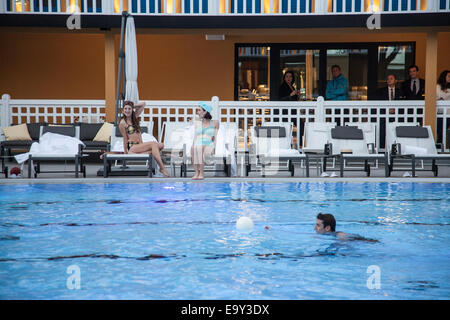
(326, 224)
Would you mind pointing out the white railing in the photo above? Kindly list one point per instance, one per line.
(245, 113)
(51, 111)
(443, 121)
(222, 7)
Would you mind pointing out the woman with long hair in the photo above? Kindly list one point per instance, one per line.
(132, 134)
(443, 86)
(287, 91)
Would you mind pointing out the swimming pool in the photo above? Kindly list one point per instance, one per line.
(179, 241)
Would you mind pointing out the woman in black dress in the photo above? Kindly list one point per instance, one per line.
(287, 91)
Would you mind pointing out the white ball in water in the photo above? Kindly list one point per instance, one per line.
(244, 224)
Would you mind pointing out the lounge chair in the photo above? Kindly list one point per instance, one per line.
(271, 144)
(178, 138)
(176, 135)
(350, 144)
(125, 168)
(413, 143)
(315, 136)
(35, 160)
(370, 135)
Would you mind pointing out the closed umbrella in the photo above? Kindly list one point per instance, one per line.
(131, 66)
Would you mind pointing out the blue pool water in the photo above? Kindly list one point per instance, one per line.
(179, 241)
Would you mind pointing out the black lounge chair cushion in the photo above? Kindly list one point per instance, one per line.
(67, 131)
(18, 143)
(269, 132)
(95, 144)
(118, 134)
(411, 132)
(34, 129)
(88, 131)
(347, 133)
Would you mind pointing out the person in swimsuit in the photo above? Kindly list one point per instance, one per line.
(132, 135)
(204, 139)
(326, 224)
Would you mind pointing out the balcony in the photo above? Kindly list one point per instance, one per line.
(224, 7)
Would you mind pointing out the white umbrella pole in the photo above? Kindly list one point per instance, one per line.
(121, 61)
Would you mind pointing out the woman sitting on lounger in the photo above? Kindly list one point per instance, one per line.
(204, 139)
(132, 135)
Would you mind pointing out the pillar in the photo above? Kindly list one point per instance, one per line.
(110, 76)
(431, 80)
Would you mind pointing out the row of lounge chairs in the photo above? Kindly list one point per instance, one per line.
(271, 150)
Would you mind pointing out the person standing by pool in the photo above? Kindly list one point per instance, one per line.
(132, 134)
(326, 224)
(205, 133)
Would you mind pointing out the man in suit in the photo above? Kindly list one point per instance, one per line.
(414, 88)
(390, 92)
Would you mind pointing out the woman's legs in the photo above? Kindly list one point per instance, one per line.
(206, 151)
(154, 149)
(195, 161)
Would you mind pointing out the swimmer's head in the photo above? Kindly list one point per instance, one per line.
(325, 222)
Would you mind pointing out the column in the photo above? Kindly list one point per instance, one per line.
(431, 80)
(110, 76)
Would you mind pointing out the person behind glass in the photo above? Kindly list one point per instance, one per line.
(414, 88)
(287, 91)
(132, 134)
(390, 92)
(443, 86)
(337, 88)
(205, 133)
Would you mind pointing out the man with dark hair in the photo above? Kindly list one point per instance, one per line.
(337, 88)
(414, 88)
(326, 224)
(390, 92)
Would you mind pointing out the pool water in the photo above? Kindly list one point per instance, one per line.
(180, 241)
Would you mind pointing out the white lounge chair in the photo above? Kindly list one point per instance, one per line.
(349, 144)
(145, 160)
(370, 135)
(414, 143)
(35, 159)
(315, 136)
(178, 138)
(271, 143)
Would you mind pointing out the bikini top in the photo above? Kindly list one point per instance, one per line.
(131, 129)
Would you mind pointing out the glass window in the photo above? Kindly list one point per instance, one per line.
(354, 67)
(253, 71)
(305, 65)
(394, 59)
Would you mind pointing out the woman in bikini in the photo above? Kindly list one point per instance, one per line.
(204, 139)
(132, 135)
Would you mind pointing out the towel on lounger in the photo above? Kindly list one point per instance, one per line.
(51, 143)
